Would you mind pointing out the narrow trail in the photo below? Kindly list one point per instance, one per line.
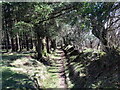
(59, 59)
(62, 76)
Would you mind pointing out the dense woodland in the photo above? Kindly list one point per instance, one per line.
(84, 35)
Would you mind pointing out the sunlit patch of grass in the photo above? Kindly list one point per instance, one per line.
(52, 77)
(94, 51)
(102, 53)
(88, 50)
(21, 63)
(8, 58)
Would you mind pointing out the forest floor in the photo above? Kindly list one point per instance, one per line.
(20, 71)
(65, 70)
(59, 59)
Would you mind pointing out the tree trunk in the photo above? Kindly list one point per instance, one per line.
(20, 44)
(91, 44)
(27, 42)
(39, 46)
(12, 43)
(31, 43)
(101, 34)
(105, 45)
(98, 45)
(7, 42)
(17, 43)
(64, 41)
(44, 44)
(53, 44)
(47, 45)
(35, 44)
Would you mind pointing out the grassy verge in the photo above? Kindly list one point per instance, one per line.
(14, 80)
(92, 69)
(21, 68)
(20, 71)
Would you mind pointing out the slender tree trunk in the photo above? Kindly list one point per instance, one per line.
(91, 44)
(50, 44)
(24, 41)
(47, 45)
(20, 44)
(39, 46)
(23, 44)
(16, 46)
(44, 44)
(7, 42)
(98, 45)
(31, 43)
(6, 46)
(53, 44)
(12, 43)
(17, 42)
(27, 42)
(64, 41)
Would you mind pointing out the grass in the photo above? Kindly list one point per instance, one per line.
(92, 72)
(52, 80)
(19, 71)
(8, 58)
(14, 80)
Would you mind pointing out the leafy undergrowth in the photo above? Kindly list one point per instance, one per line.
(92, 69)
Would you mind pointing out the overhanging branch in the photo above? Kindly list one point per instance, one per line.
(59, 13)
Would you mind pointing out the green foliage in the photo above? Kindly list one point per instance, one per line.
(43, 10)
(21, 27)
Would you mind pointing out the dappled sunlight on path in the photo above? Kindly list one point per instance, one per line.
(58, 68)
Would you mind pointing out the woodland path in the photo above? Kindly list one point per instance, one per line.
(59, 62)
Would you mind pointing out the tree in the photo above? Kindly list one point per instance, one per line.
(99, 14)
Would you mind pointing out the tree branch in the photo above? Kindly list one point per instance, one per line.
(59, 13)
